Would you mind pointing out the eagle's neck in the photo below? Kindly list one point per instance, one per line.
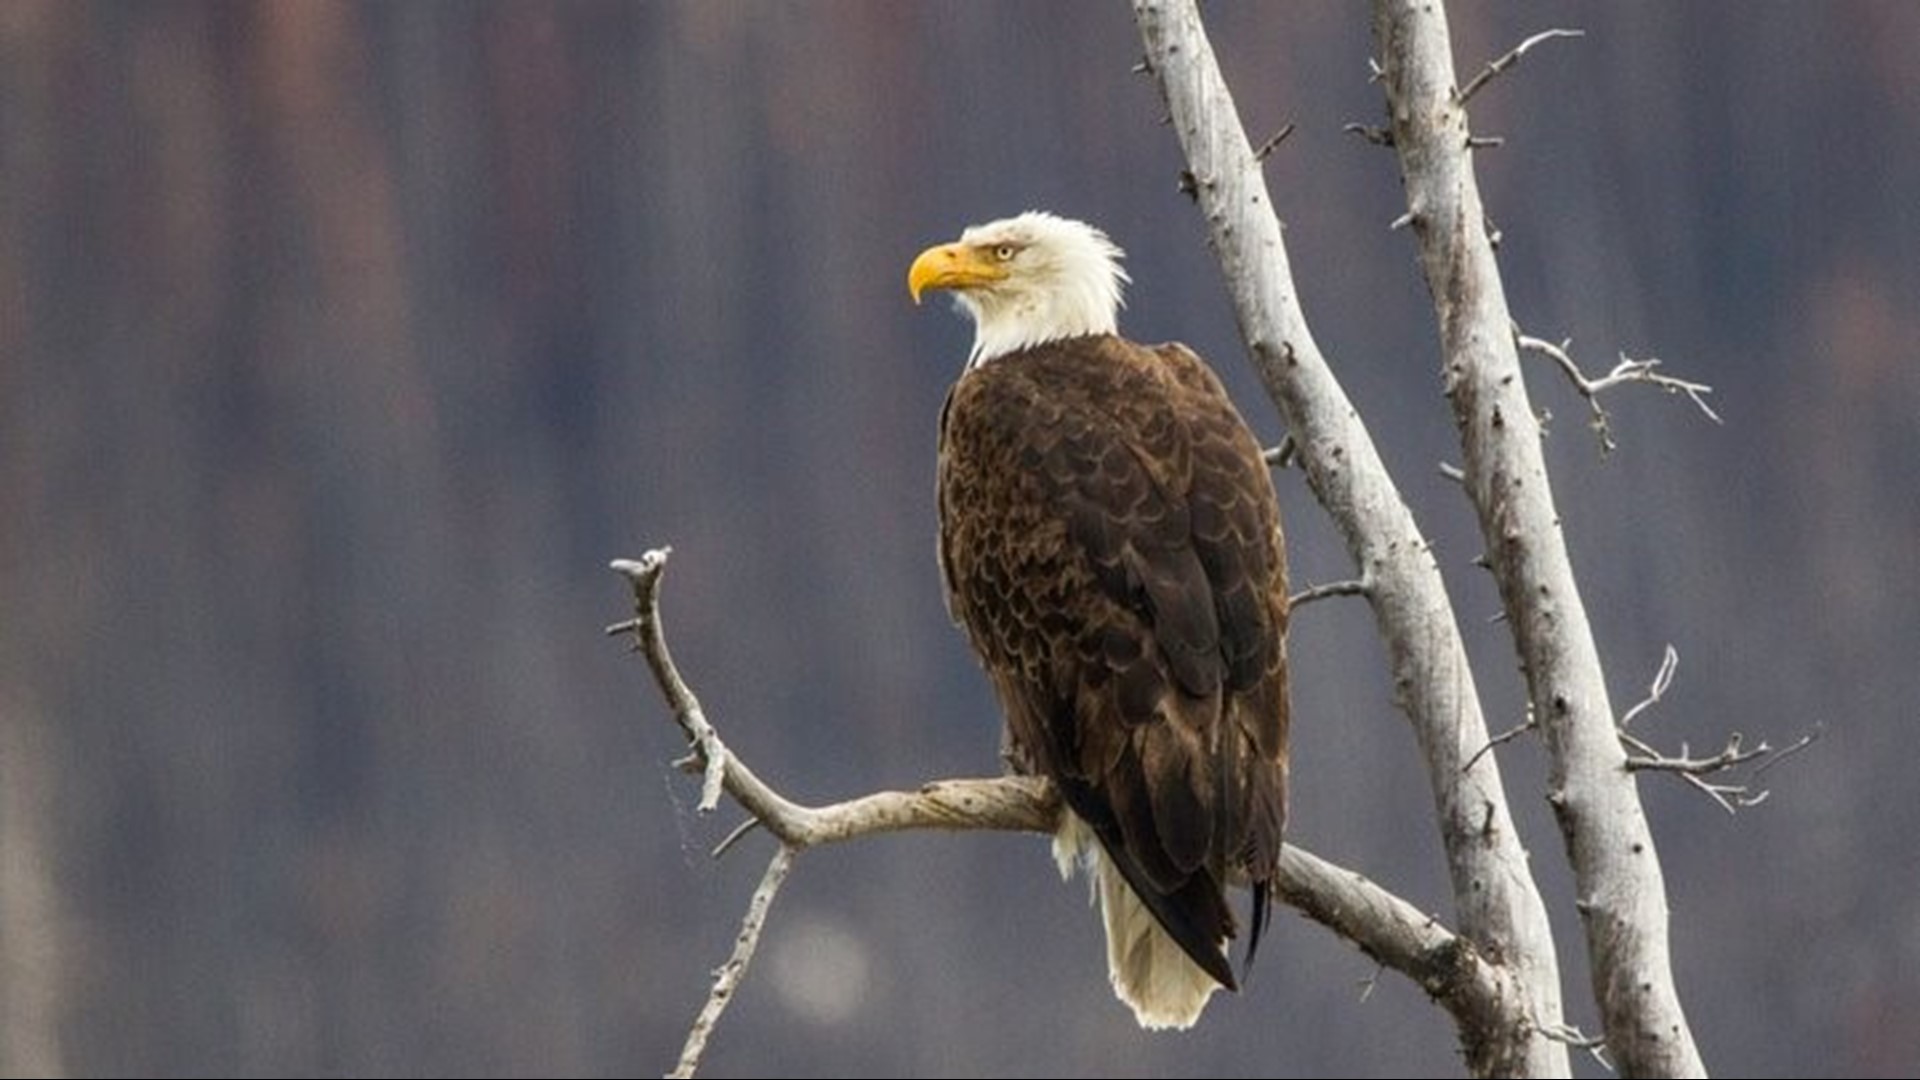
(1008, 321)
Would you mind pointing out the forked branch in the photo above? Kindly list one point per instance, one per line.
(1380, 924)
(1626, 371)
(1701, 772)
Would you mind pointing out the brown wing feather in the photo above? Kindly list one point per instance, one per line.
(1110, 540)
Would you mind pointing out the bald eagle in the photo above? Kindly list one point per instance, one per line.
(1110, 540)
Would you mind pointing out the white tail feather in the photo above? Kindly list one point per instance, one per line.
(1150, 972)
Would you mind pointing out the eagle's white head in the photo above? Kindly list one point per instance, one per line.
(1026, 280)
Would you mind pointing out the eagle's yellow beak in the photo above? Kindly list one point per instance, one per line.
(952, 266)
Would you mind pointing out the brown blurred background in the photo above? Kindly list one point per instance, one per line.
(341, 346)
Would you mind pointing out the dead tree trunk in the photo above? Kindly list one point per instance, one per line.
(1498, 907)
(1622, 897)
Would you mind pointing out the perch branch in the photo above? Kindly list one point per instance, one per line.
(1626, 371)
(1397, 935)
(1380, 924)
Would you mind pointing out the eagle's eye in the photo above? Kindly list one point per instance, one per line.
(1005, 251)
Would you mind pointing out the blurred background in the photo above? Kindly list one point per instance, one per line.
(341, 346)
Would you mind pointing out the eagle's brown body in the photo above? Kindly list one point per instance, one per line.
(1111, 542)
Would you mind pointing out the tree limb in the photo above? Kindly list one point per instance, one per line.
(1626, 371)
(1327, 591)
(1395, 933)
(1496, 903)
(1002, 803)
(1511, 58)
(1642, 757)
(727, 978)
(1477, 994)
(1622, 896)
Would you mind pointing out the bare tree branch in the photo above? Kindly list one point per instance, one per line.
(1511, 58)
(1731, 797)
(1622, 895)
(1734, 754)
(1330, 589)
(1380, 924)
(1626, 371)
(1506, 736)
(1657, 689)
(727, 978)
(1477, 994)
(1273, 143)
(1496, 903)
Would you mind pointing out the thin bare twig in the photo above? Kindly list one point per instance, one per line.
(1378, 136)
(1579, 1040)
(1274, 142)
(1506, 736)
(1370, 983)
(1357, 587)
(1511, 58)
(1643, 756)
(726, 979)
(1625, 371)
(1662, 680)
(1734, 753)
(1791, 749)
(1696, 770)
(645, 627)
(734, 837)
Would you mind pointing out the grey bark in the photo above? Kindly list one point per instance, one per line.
(1498, 907)
(1621, 894)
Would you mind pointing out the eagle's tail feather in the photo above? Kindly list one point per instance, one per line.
(1150, 970)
